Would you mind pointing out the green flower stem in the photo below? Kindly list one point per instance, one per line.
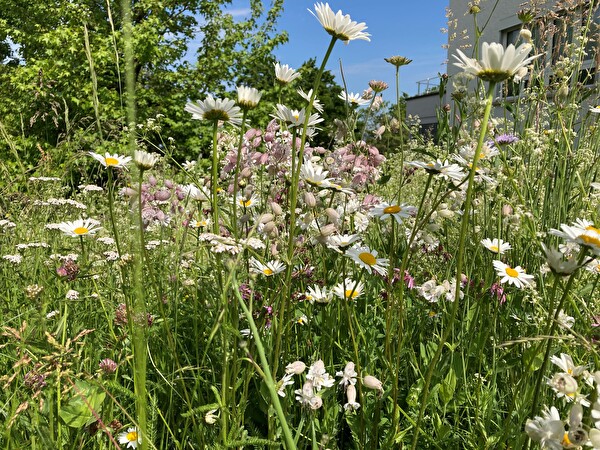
(280, 326)
(267, 376)
(549, 333)
(459, 262)
(213, 180)
(237, 172)
(111, 210)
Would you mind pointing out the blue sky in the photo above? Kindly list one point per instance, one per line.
(397, 27)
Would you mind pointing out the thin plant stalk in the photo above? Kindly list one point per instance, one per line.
(267, 374)
(459, 263)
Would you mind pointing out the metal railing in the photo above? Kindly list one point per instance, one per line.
(428, 85)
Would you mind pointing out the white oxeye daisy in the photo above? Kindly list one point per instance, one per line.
(547, 429)
(496, 63)
(246, 201)
(348, 289)
(294, 117)
(367, 258)
(144, 160)
(109, 160)
(340, 242)
(339, 25)
(131, 437)
(516, 276)
(248, 97)
(448, 171)
(496, 245)
(312, 174)
(398, 212)
(565, 362)
(581, 232)
(559, 263)
(595, 109)
(79, 228)
(307, 95)
(215, 110)
(353, 99)
(195, 193)
(269, 269)
(285, 74)
(317, 294)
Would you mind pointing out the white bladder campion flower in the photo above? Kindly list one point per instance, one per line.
(339, 25)
(497, 63)
(215, 110)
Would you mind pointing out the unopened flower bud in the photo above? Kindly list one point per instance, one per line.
(246, 172)
(269, 227)
(525, 35)
(332, 214)
(310, 199)
(266, 218)
(276, 208)
(507, 210)
(297, 367)
(371, 382)
(328, 230)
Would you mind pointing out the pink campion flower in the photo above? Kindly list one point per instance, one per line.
(498, 291)
(409, 280)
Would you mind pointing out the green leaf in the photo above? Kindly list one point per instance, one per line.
(79, 410)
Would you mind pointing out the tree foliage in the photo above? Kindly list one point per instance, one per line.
(62, 75)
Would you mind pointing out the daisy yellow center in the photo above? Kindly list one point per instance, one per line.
(246, 203)
(590, 240)
(494, 248)
(81, 230)
(367, 258)
(267, 271)
(132, 436)
(111, 161)
(351, 293)
(432, 313)
(391, 209)
(512, 272)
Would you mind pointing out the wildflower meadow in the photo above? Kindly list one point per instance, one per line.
(288, 277)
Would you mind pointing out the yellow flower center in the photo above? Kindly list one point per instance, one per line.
(132, 436)
(296, 117)
(267, 271)
(350, 293)
(494, 248)
(565, 441)
(246, 203)
(391, 209)
(111, 161)
(591, 228)
(512, 272)
(81, 230)
(590, 240)
(367, 258)
(432, 313)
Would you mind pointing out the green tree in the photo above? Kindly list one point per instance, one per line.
(64, 77)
